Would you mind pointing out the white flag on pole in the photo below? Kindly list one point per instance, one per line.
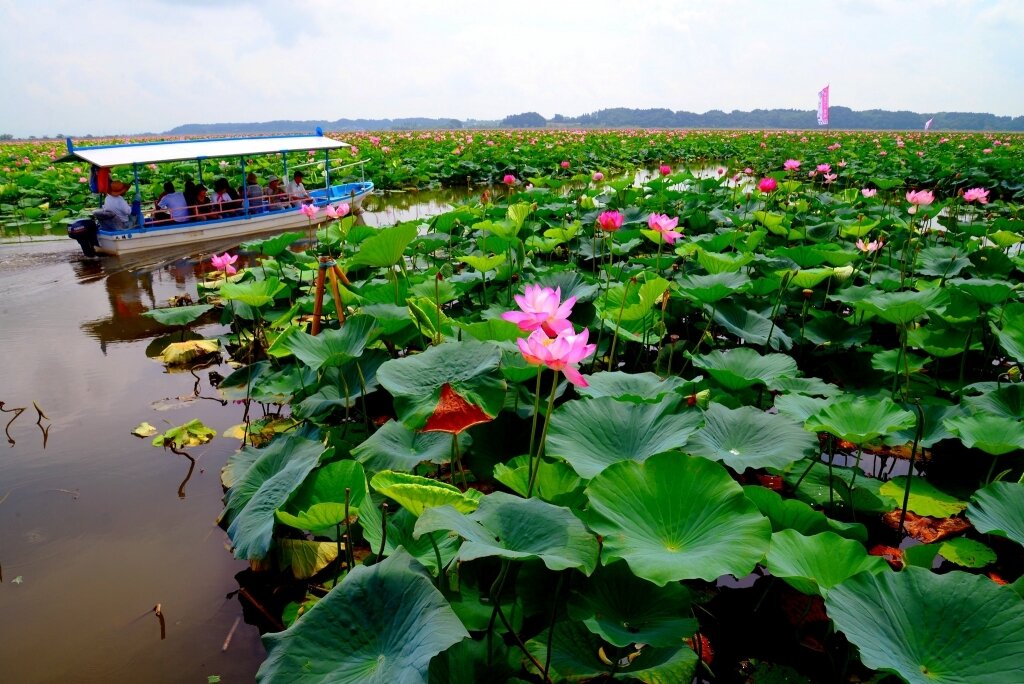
(823, 106)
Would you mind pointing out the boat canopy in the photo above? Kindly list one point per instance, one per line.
(178, 150)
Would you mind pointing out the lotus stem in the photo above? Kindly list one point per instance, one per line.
(441, 576)
(495, 595)
(533, 428)
(910, 470)
(618, 322)
(551, 625)
(337, 541)
(349, 553)
(543, 435)
(383, 529)
(457, 460)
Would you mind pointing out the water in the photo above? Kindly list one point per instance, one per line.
(94, 530)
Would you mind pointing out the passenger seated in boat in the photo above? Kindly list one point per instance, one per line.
(225, 200)
(203, 209)
(297, 193)
(253, 191)
(174, 202)
(118, 208)
(275, 195)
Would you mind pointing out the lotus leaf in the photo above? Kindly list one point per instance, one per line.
(860, 420)
(401, 527)
(1007, 401)
(178, 315)
(385, 247)
(592, 434)
(381, 625)
(967, 553)
(790, 514)
(333, 347)
(193, 433)
(397, 447)
(676, 517)
(930, 628)
(742, 367)
(816, 564)
(306, 558)
(996, 435)
(998, 508)
(514, 528)
(925, 498)
(750, 326)
(748, 438)
(255, 293)
(182, 353)
(708, 289)
(416, 494)
(633, 387)
(555, 481)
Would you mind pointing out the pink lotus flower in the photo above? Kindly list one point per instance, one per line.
(83, 179)
(979, 195)
(870, 247)
(791, 165)
(309, 210)
(610, 221)
(664, 169)
(920, 198)
(598, 176)
(561, 353)
(662, 224)
(224, 263)
(869, 192)
(987, 150)
(768, 185)
(542, 309)
(749, 171)
(343, 210)
(824, 168)
(564, 164)
(509, 179)
(830, 178)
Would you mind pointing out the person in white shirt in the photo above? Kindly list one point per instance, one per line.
(296, 191)
(116, 203)
(175, 203)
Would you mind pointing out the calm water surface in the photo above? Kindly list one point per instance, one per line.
(95, 525)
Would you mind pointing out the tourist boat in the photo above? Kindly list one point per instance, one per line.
(145, 231)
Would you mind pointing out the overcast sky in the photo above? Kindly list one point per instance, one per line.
(106, 66)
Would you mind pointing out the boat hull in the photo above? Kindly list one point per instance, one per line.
(176, 235)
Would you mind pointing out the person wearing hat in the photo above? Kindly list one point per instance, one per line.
(116, 203)
(297, 192)
(254, 193)
(275, 194)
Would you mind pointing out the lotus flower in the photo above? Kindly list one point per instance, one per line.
(309, 210)
(542, 309)
(564, 164)
(920, 198)
(561, 353)
(824, 168)
(509, 179)
(791, 165)
(870, 247)
(869, 192)
(343, 210)
(664, 225)
(830, 178)
(610, 221)
(979, 195)
(665, 169)
(598, 176)
(331, 212)
(224, 263)
(768, 185)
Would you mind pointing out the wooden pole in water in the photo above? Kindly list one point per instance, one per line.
(336, 293)
(318, 301)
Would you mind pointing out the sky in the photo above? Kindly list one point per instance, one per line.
(109, 66)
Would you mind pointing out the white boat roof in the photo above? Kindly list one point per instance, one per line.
(177, 150)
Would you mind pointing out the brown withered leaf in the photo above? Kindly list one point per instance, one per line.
(925, 528)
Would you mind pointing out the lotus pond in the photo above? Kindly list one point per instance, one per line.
(763, 424)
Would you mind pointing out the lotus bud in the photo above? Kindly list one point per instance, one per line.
(807, 293)
(587, 202)
(1013, 374)
(842, 273)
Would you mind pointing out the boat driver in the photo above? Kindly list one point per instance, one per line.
(116, 203)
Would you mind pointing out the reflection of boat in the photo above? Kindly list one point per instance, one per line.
(246, 218)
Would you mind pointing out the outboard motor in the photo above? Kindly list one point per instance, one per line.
(84, 232)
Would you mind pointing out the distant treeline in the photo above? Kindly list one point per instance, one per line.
(622, 117)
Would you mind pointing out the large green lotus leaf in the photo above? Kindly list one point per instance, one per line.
(967, 553)
(749, 438)
(942, 261)
(623, 609)
(813, 565)
(865, 496)
(998, 508)
(333, 347)
(178, 315)
(484, 263)
(184, 353)
(799, 407)
(790, 514)
(808, 386)
(708, 289)
(730, 262)
(742, 367)
(556, 482)
(416, 494)
(634, 387)
(191, 434)
(385, 248)
(943, 341)
(319, 503)
(934, 431)
(1006, 401)
(575, 657)
(925, 498)
(306, 558)
(494, 330)
(985, 290)
(570, 282)
(397, 447)
(255, 293)
(806, 278)
(468, 369)
(996, 435)
(932, 629)
(381, 625)
(749, 326)
(508, 526)
(272, 246)
(896, 361)
(237, 465)
(1011, 336)
(265, 486)
(676, 517)
(859, 419)
(340, 386)
(592, 434)
(319, 518)
(901, 307)
(825, 328)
